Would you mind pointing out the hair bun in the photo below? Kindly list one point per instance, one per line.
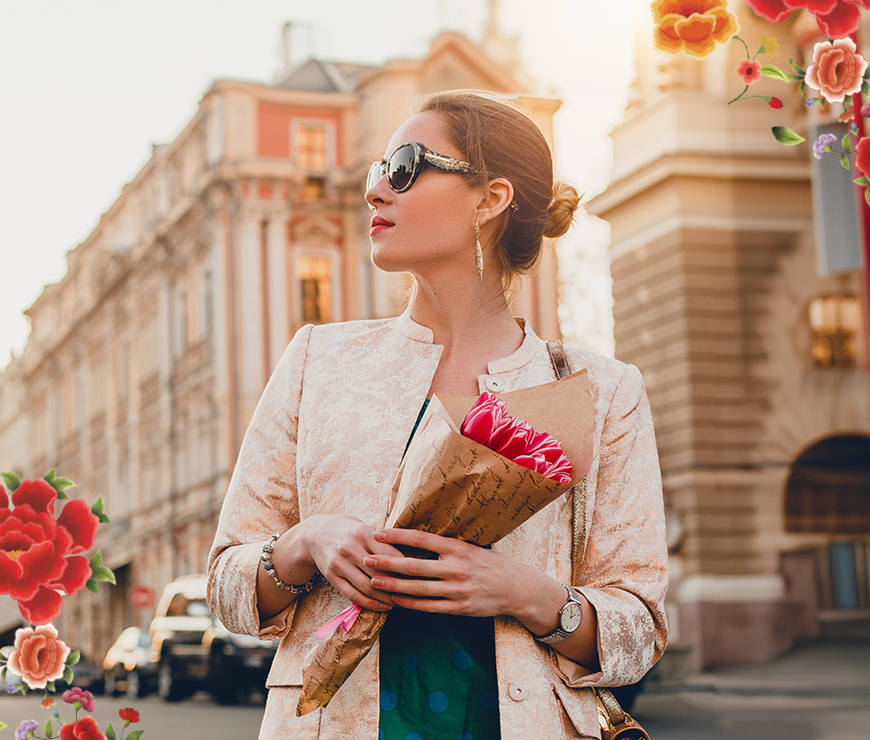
(560, 214)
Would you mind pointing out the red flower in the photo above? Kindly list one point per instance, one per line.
(85, 729)
(863, 159)
(749, 71)
(775, 103)
(836, 18)
(128, 714)
(35, 549)
(85, 698)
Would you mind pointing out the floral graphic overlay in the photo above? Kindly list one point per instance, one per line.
(84, 728)
(695, 27)
(836, 18)
(39, 553)
(837, 70)
(38, 657)
(750, 71)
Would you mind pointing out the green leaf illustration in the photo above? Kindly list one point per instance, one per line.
(110, 733)
(68, 675)
(867, 196)
(794, 78)
(103, 518)
(768, 70)
(847, 142)
(102, 573)
(821, 102)
(3, 675)
(784, 135)
(854, 128)
(49, 476)
(61, 484)
(92, 586)
(867, 74)
(3, 724)
(844, 161)
(47, 729)
(802, 87)
(61, 496)
(862, 181)
(73, 657)
(50, 686)
(865, 88)
(11, 480)
(135, 735)
(96, 559)
(795, 67)
(847, 100)
(99, 506)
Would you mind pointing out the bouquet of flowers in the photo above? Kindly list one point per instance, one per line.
(476, 474)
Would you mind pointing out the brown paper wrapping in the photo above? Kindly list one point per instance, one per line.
(452, 486)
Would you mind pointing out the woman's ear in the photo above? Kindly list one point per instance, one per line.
(497, 198)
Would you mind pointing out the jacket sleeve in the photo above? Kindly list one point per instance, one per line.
(624, 571)
(261, 499)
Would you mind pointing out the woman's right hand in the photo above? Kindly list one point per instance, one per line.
(337, 545)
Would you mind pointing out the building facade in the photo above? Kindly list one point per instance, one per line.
(755, 361)
(146, 361)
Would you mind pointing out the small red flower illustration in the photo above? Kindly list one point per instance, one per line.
(128, 714)
(749, 71)
(85, 729)
(863, 158)
(775, 103)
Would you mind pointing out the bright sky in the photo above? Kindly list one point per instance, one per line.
(87, 86)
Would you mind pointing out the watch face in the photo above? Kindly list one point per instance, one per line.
(569, 619)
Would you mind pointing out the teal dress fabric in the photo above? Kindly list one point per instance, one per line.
(437, 675)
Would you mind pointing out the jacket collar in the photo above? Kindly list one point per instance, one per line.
(521, 356)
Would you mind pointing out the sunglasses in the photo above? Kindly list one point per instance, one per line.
(404, 165)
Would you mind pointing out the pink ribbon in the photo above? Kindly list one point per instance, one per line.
(345, 619)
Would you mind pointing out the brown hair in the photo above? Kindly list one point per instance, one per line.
(502, 142)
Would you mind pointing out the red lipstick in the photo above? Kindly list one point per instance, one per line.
(379, 224)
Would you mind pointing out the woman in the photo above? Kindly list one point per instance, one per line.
(319, 458)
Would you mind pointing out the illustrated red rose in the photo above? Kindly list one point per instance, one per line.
(128, 714)
(38, 656)
(36, 550)
(863, 159)
(775, 102)
(749, 71)
(85, 729)
(836, 18)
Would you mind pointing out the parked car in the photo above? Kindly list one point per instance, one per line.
(127, 666)
(192, 650)
(87, 675)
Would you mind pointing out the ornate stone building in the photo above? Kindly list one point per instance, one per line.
(146, 361)
(755, 359)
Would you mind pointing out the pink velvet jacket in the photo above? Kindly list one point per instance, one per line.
(327, 437)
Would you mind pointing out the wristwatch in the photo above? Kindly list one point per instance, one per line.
(570, 617)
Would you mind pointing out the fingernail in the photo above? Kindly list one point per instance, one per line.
(370, 562)
(377, 582)
(379, 534)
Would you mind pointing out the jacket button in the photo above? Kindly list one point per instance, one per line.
(518, 691)
(493, 385)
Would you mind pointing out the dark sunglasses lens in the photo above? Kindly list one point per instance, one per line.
(374, 175)
(400, 168)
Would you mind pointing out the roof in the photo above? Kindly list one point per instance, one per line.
(321, 76)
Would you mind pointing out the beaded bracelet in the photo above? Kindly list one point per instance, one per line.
(266, 557)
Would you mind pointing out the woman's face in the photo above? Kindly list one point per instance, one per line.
(431, 223)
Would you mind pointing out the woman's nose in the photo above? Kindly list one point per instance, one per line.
(379, 193)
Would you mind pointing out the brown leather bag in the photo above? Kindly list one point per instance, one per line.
(615, 723)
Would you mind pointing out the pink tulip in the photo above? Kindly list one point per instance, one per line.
(489, 424)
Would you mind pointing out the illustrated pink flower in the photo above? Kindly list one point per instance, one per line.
(85, 729)
(865, 110)
(489, 423)
(837, 70)
(862, 161)
(836, 18)
(38, 656)
(85, 698)
(37, 551)
(749, 71)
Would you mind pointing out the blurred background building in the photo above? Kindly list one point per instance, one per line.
(146, 361)
(739, 293)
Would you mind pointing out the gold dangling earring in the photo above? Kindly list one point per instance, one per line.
(478, 252)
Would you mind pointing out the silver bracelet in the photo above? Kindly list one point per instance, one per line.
(269, 567)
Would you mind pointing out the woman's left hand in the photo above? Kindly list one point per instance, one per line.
(465, 579)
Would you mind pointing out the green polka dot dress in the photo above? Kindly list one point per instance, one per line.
(437, 675)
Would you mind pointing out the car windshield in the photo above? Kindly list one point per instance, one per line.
(181, 606)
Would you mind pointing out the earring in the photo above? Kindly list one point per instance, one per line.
(478, 252)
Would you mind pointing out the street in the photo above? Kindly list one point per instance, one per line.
(818, 691)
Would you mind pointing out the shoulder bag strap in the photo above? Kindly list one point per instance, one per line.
(621, 725)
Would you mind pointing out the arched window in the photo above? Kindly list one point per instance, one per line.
(828, 489)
